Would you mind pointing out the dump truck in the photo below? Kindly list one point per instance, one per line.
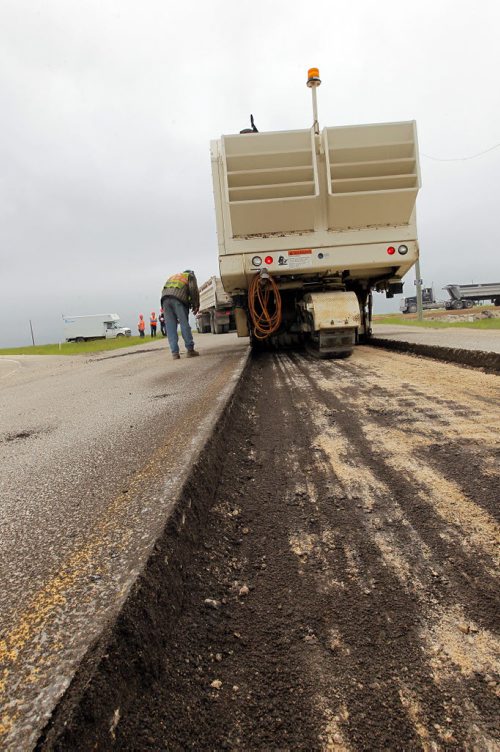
(95, 326)
(429, 302)
(216, 313)
(310, 223)
(465, 296)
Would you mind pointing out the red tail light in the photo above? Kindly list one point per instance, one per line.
(268, 260)
(391, 250)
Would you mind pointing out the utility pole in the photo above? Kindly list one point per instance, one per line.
(418, 284)
(32, 337)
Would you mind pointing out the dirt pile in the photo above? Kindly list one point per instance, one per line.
(466, 316)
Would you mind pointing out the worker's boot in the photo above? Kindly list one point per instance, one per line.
(176, 356)
(192, 353)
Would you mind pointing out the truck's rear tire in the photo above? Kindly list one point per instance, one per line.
(79, 339)
(412, 309)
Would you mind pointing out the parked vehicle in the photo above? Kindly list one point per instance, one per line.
(216, 313)
(310, 222)
(409, 305)
(465, 296)
(96, 326)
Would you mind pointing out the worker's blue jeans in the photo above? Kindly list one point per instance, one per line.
(177, 313)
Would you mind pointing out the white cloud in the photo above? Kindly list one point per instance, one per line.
(107, 108)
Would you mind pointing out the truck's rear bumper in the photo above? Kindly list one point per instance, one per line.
(370, 261)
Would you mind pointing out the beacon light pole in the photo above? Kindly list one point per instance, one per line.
(313, 81)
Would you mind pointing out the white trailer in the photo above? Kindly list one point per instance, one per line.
(95, 326)
(216, 313)
(309, 222)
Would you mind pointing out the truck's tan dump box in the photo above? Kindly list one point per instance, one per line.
(284, 182)
(271, 181)
(372, 174)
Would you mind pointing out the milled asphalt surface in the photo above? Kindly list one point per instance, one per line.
(93, 450)
(464, 339)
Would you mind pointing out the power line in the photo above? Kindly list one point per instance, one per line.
(461, 159)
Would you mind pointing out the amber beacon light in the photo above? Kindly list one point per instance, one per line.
(313, 78)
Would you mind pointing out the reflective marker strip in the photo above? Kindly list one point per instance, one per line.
(300, 252)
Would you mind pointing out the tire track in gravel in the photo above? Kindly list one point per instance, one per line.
(368, 634)
(455, 628)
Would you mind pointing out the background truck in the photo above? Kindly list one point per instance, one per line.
(96, 326)
(310, 222)
(465, 296)
(409, 305)
(216, 312)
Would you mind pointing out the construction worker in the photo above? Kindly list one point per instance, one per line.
(161, 319)
(141, 325)
(179, 294)
(152, 323)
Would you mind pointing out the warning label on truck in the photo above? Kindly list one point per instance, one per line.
(300, 258)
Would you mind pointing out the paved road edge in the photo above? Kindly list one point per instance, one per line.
(148, 608)
(489, 361)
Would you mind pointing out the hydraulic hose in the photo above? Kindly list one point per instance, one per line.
(264, 304)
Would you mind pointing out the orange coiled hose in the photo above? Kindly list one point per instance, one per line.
(264, 294)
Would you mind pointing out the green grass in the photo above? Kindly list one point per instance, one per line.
(78, 348)
(404, 321)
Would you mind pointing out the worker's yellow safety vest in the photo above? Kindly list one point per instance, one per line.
(177, 281)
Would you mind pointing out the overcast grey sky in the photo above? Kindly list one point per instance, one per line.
(107, 108)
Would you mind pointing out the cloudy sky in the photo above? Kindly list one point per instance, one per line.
(107, 108)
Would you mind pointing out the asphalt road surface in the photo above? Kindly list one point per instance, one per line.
(92, 452)
(343, 594)
(464, 339)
